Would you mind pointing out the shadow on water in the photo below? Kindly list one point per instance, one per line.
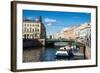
(49, 54)
(37, 54)
(41, 54)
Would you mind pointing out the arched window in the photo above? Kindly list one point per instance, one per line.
(33, 25)
(27, 24)
(27, 36)
(33, 30)
(38, 30)
(27, 30)
(32, 36)
(24, 36)
(30, 29)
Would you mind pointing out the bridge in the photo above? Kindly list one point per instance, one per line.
(51, 42)
(59, 40)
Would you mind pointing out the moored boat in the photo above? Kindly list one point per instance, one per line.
(62, 52)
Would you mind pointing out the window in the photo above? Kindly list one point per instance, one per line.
(25, 36)
(38, 30)
(24, 29)
(33, 30)
(32, 36)
(33, 25)
(27, 30)
(27, 24)
(30, 29)
(38, 25)
(35, 35)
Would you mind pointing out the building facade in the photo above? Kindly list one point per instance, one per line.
(33, 29)
(58, 35)
(70, 33)
(83, 34)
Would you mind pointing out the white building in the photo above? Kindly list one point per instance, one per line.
(32, 29)
(83, 33)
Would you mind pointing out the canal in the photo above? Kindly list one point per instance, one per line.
(40, 54)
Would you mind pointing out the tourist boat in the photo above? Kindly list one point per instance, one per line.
(78, 55)
(62, 52)
(65, 48)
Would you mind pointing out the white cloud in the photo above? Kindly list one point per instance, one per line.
(29, 18)
(49, 21)
(36, 19)
(64, 29)
(49, 24)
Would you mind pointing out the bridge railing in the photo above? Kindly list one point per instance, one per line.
(59, 40)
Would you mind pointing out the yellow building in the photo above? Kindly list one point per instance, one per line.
(33, 29)
(70, 33)
(78, 32)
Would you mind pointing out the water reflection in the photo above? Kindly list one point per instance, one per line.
(38, 54)
(32, 54)
(49, 54)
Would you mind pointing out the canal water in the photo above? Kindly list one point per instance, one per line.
(40, 54)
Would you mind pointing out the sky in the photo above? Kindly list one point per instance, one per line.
(55, 21)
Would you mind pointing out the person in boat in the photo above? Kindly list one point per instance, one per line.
(64, 48)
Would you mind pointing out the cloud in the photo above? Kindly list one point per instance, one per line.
(28, 18)
(49, 24)
(64, 29)
(68, 28)
(49, 21)
(36, 19)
